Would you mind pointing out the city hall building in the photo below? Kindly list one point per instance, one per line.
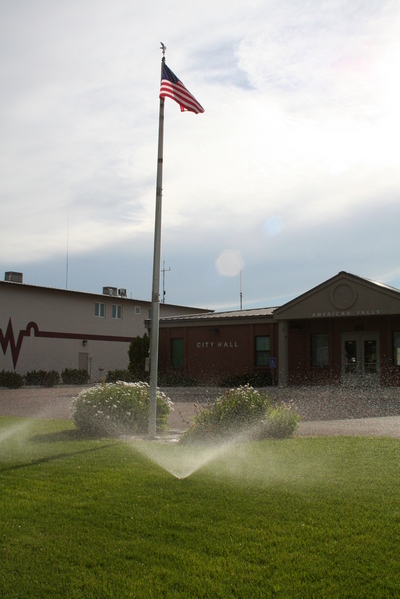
(344, 331)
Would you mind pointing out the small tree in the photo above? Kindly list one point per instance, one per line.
(138, 352)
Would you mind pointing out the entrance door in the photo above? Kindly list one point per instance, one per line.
(83, 363)
(360, 359)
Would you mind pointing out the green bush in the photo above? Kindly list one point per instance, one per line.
(259, 379)
(42, 378)
(175, 380)
(245, 413)
(113, 409)
(11, 379)
(136, 376)
(279, 422)
(113, 376)
(139, 377)
(73, 376)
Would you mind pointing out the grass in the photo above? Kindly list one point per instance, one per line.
(303, 517)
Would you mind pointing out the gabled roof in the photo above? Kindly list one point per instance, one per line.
(379, 284)
(343, 295)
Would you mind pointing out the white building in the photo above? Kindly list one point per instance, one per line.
(53, 329)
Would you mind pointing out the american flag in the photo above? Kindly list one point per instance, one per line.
(172, 88)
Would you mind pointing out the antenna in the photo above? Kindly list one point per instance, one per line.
(164, 270)
(240, 290)
(66, 270)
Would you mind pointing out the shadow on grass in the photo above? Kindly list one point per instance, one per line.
(65, 435)
(58, 456)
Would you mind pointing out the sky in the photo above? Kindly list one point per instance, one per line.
(291, 175)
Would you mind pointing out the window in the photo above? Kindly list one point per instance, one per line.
(263, 350)
(116, 311)
(396, 348)
(149, 313)
(137, 309)
(99, 310)
(319, 350)
(177, 353)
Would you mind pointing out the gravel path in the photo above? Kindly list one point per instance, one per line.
(324, 410)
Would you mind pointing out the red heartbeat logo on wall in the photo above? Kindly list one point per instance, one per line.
(9, 338)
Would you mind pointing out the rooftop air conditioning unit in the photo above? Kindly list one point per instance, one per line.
(110, 291)
(14, 277)
(122, 292)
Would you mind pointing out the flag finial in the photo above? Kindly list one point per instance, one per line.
(163, 48)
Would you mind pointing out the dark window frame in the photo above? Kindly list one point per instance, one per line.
(99, 310)
(262, 355)
(177, 352)
(116, 311)
(316, 361)
(396, 346)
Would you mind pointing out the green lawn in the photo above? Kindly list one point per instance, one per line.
(303, 517)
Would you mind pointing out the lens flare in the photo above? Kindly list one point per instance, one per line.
(229, 263)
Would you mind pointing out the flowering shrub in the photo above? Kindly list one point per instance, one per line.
(111, 409)
(245, 412)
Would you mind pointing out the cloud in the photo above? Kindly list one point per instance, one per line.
(288, 167)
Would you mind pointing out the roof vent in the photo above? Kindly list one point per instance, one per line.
(122, 292)
(110, 291)
(14, 277)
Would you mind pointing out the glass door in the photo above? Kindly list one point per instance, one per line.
(351, 356)
(360, 359)
(370, 356)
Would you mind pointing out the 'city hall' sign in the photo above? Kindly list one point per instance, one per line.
(218, 344)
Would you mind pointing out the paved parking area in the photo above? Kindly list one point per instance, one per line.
(325, 411)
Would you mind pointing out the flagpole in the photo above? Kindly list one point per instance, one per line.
(155, 294)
